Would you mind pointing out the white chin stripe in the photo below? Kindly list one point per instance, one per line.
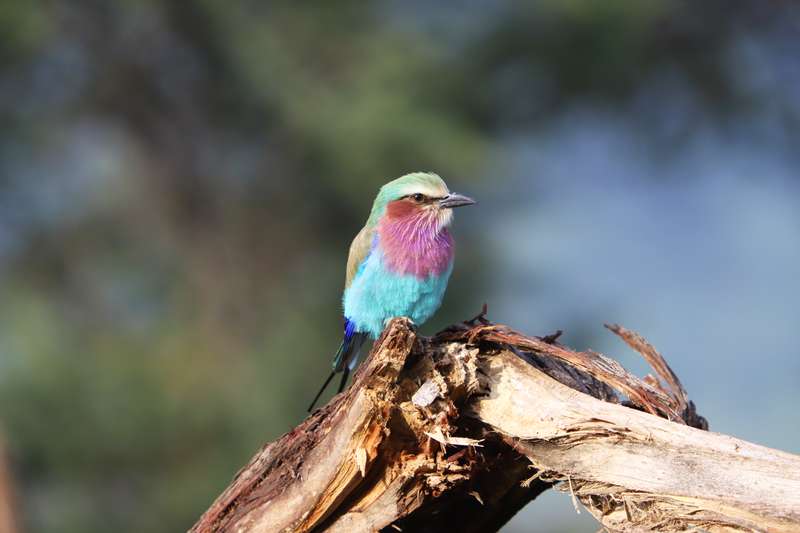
(445, 217)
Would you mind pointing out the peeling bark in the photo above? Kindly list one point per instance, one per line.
(460, 431)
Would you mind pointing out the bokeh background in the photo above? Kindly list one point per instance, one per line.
(180, 180)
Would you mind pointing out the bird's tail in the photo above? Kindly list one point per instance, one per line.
(347, 354)
(345, 359)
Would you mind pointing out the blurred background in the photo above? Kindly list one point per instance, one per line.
(180, 181)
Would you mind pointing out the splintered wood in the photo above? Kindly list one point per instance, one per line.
(460, 431)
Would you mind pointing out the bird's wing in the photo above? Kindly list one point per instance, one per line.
(359, 251)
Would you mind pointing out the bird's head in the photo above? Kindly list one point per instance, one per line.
(420, 196)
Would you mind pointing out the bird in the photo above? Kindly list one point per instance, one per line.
(399, 263)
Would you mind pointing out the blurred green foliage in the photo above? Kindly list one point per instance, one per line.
(179, 182)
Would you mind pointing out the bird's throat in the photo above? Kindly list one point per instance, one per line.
(416, 243)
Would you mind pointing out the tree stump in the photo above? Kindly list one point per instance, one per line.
(460, 431)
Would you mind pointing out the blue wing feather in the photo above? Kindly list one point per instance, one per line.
(352, 341)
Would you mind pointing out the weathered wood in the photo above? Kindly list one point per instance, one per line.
(459, 431)
(634, 470)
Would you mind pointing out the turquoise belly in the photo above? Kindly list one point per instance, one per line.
(377, 295)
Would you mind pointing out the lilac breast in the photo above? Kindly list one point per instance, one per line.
(415, 247)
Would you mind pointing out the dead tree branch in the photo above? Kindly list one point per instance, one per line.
(459, 431)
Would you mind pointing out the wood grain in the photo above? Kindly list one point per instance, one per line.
(460, 431)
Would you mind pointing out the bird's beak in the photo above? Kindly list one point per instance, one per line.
(455, 200)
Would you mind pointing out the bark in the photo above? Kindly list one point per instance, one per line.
(460, 431)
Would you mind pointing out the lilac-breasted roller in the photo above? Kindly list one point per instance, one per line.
(399, 263)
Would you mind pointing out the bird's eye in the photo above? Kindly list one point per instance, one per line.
(418, 197)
